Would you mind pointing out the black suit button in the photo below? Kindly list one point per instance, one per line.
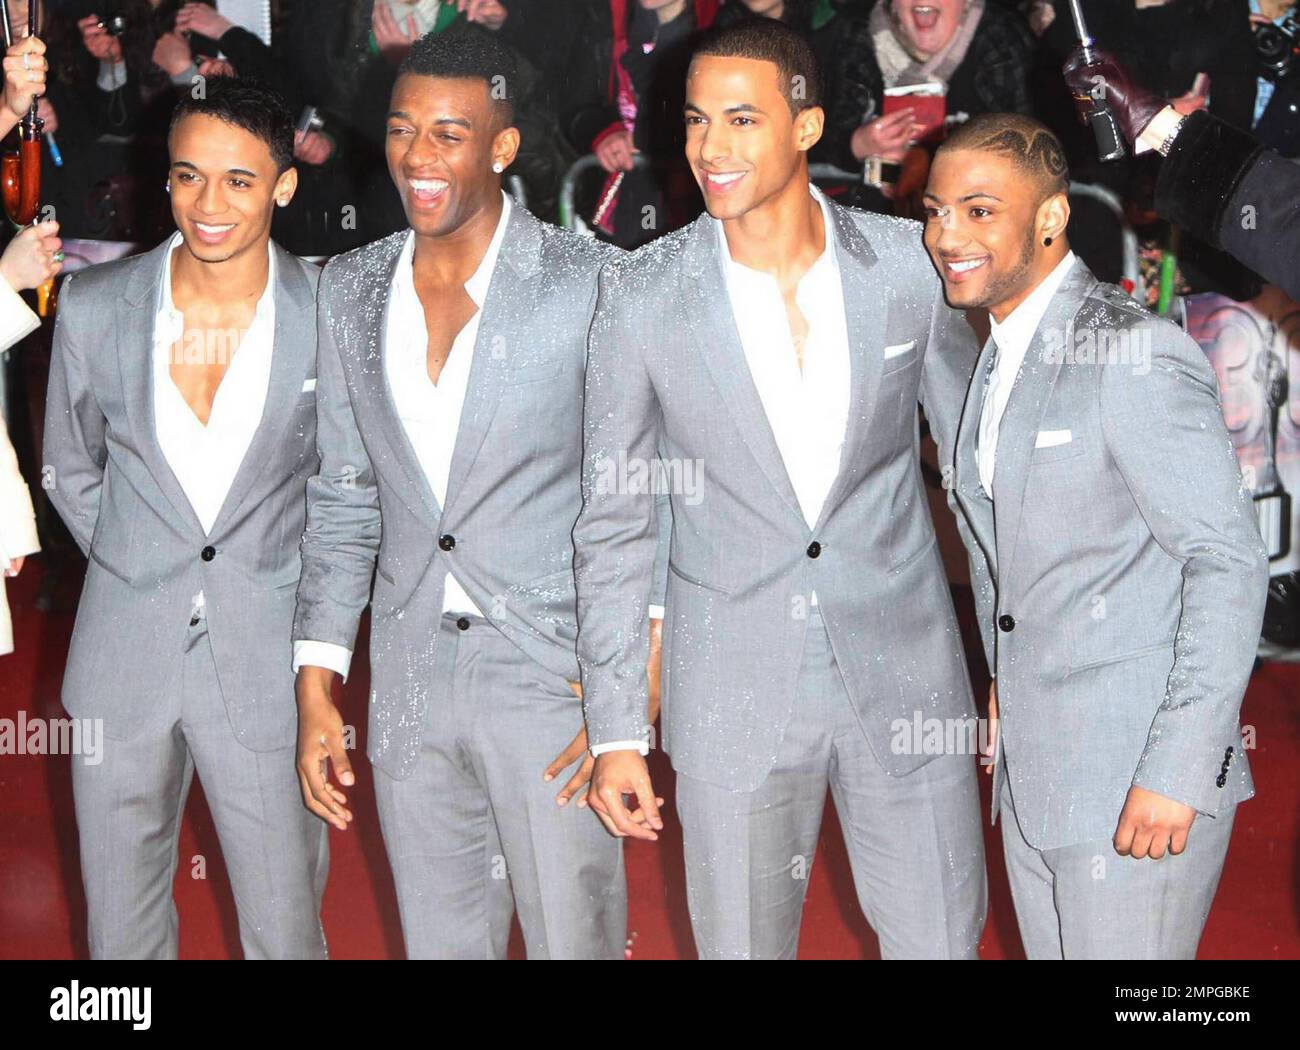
(1007, 623)
(1220, 780)
(208, 553)
(463, 624)
(814, 549)
(447, 542)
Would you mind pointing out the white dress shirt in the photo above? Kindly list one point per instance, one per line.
(205, 459)
(808, 408)
(430, 412)
(1012, 340)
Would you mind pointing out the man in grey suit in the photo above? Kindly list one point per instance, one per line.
(1117, 566)
(179, 436)
(781, 342)
(450, 414)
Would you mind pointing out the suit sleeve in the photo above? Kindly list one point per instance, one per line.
(1166, 434)
(341, 539)
(617, 535)
(1219, 183)
(75, 451)
(951, 352)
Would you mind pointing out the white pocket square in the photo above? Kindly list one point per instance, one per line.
(308, 385)
(1052, 438)
(900, 348)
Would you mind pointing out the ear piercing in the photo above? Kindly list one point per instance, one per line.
(498, 167)
(1047, 241)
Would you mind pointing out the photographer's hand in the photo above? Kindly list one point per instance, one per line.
(204, 20)
(490, 14)
(99, 42)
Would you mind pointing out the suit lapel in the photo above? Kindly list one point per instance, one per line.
(977, 506)
(292, 361)
(507, 307)
(708, 308)
(371, 330)
(865, 317)
(136, 314)
(1033, 386)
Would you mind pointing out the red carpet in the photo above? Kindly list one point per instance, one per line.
(42, 911)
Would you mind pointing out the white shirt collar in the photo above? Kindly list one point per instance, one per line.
(479, 281)
(734, 270)
(167, 306)
(1017, 330)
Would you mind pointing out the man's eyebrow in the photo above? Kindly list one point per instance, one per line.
(229, 171)
(741, 107)
(973, 196)
(458, 121)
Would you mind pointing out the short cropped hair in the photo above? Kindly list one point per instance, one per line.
(244, 103)
(768, 40)
(468, 53)
(1026, 142)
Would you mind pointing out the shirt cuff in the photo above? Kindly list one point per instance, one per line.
(656, 612)
(336, 658)
(1161, 127)
(621, 745)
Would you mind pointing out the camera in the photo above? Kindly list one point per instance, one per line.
(113, 25)
(310, 120)
(1277, 47)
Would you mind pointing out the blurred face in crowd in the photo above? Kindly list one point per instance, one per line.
(926, 26)
(984, 229)
(224, 187)
(743, 144)
(444, 135)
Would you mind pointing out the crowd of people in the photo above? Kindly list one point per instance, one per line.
(604, 78)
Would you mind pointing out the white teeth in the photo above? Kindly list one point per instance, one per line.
(968, 264)
(723, 180)
(428, 185)
(214, 229)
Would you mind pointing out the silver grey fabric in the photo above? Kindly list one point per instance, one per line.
(106, 475)
(474, 833)
(513, 489)
(1129, 562)
(667, 372)
(169, 697)
(1085, 901)
(513, 493)
(913, 840)
(129, 810)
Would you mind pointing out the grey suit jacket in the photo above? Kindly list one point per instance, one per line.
(109, 480)
(667, 370)
(1126, 562)
(513, 491)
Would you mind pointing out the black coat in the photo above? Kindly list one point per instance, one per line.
(1219, 183)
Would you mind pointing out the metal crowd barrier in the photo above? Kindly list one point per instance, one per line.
(570, 220)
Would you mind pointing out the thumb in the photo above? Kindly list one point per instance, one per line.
(339, 760)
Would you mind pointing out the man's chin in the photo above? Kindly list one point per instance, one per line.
(959, 297)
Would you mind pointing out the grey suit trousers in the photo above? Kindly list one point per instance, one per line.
(129, 810)
(474, 833)
(1085, 901)
(914, 841)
